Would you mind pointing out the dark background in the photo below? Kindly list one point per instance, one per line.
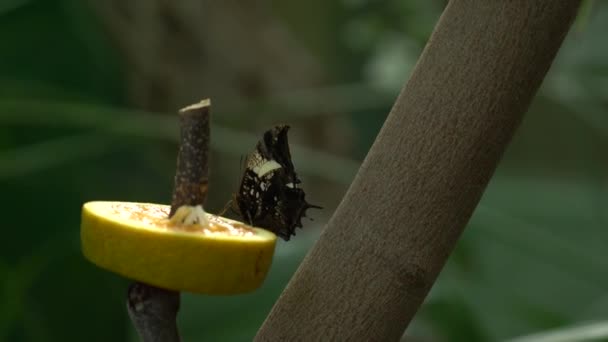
(88, 96)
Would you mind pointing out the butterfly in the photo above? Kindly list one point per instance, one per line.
(269, 195)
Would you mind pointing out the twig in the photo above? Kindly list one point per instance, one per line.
(192, 171)
(153, 311)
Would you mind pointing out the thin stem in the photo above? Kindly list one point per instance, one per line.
(153, 310)
(192, 171)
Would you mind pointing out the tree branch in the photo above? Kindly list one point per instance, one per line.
(153, 311)
(417, 188)
(192, 171)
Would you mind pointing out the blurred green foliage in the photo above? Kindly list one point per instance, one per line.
(533, 257)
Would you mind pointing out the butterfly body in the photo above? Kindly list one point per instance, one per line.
(269, 195)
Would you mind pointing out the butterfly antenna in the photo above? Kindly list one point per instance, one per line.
(227, 206)
(241, 162)
(308, 205)
(230, 204)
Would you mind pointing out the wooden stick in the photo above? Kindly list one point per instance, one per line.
(153, 311)
(192, 171)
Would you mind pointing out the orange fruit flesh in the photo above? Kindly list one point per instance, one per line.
(138, 241)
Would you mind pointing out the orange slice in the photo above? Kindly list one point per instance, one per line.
(138, 241)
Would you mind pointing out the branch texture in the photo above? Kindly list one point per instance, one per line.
(419, 184)
(192, 170)
(153, 310)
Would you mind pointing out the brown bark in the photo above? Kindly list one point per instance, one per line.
(388, 240)
(192, 169)
(153, 310)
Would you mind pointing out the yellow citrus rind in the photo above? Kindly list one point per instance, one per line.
(136, 240)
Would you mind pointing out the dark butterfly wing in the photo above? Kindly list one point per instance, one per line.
(275, 146)
(254, 189)
(248, 199)
(293, 209)
(283, 207)
(269, 196)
